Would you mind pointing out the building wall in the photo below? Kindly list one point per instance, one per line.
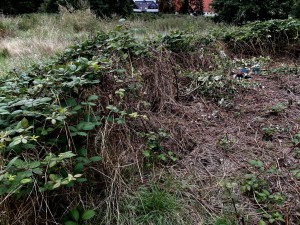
(206, 7)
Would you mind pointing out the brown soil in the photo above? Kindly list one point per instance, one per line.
(200, 125)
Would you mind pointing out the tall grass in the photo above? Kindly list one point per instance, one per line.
(34, 38)
(29, 39)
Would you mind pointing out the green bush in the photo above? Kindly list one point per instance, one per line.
(274, 37)
(240, 12)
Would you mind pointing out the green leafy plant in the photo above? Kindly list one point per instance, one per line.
(269, 132)
(265, 38)
(256, 187)
(277, 109)
(78, 216)
(154, 151)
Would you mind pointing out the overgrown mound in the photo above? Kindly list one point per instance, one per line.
(83, 131)
(68, 127)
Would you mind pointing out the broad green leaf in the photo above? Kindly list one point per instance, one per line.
(75, 214)
(95, 158)
(53, 177)
(71, 223)
(11, 162)
(81, 134)
(82, 152)
(33, 165)
(25, 181)
(88, 214)
(86, 126)
(93, 98)
(66, 155)
(146, 153)
(78, 168)
(261, 222)
(24, 123)
(57, 185)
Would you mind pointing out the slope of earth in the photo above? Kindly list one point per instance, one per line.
(259, 125)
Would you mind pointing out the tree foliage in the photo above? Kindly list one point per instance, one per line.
(100, 7)
(296, 9)
(19, 6)
(242, 11)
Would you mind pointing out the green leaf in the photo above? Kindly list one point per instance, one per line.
(81, 180)
(78, 168)
(11, 162)
(95, 158)
(75, 214)
(38, 171)
(162, 157)
(57, 185)
(71, 223)
(33, 165)
(256, 163)
(146, 153)
(71, 102)
(81, 134)
(86, 126)
(93, 98)
(66, 155)
(261, 222)
(88, 214)
(82, 152)
(24, 123)
(25, 181)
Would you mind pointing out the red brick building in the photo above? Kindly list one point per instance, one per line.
(206, 5)
(193, 5)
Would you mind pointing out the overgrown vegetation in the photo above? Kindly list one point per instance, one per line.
(130, 127)
(241, 12)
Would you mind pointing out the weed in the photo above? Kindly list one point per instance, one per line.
(269, 132)
(4, 53)
(226, 144)
(154, 150)
(277, 109)
(154, 205)
(78, 216)
(257, 188)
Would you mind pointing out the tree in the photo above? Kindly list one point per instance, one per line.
(166, 6)
(296, 9)
(197, 6)
(15, 7)
(185, 7)
(242, 11)
(100, 7)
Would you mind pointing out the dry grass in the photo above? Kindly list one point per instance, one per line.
(35, 38)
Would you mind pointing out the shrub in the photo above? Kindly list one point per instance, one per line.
(274, 37)
(240, 12)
